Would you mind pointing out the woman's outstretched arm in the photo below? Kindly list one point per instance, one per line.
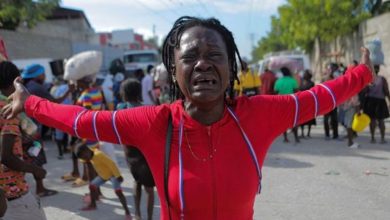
(288, 111)
(122, 127)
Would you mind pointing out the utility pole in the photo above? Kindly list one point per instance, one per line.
(154, 31)
(252, 39)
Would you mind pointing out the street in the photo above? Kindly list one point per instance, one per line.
(315, 179)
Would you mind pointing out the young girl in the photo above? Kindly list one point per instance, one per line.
(131, 92)
(106, 170)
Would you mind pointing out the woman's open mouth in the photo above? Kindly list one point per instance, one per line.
(204, 84)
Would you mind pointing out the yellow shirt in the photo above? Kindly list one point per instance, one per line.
(104, 166)
(247, 81)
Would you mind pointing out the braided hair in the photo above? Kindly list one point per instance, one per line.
(172, 42)
(8, 73)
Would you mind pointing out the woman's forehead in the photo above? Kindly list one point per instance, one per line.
(199, 34)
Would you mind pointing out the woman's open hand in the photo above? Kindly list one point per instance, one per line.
(365, 59)
(17, 100)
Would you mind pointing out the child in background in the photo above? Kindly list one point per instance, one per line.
(350, 107)
(60, 137)
(306, 84)
(106, 170)
(131, 93)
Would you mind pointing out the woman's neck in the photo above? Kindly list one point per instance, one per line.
(205, 115)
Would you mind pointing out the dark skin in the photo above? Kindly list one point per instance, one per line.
(3, 199)
(380, 122)
(206, 105)
(3, 203)
(138, 192)
(80, 85)
(202, 73)
(89, 172)
(13, 162)
(87, 156)
(7, 156)
(138, 186)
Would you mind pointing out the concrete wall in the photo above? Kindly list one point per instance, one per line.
(68, 29)
(347, 47)
(30, 45)
(49, 39)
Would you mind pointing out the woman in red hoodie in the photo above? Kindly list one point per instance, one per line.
(218, 144)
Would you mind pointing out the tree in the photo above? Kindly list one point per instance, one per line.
(304, 21)
(28, 12)
(270, 43)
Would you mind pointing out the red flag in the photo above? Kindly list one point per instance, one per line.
(3, 51)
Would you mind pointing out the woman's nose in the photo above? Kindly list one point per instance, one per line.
(202, 64)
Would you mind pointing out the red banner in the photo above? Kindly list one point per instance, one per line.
(3, 51)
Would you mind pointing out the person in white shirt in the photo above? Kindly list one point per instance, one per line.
(147, 88)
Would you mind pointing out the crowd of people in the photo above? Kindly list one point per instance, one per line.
(371, 100)
(23, 135)
(194, 107)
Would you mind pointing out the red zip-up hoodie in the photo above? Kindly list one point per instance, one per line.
(225, 186)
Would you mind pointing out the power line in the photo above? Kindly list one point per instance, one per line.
(204, 7)
(154, 11)
(192, 8)
(250, 15)
(249, 27)
(215, 9)
(168, 6)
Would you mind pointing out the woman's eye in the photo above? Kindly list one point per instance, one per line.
(188, 57)
(215, 54)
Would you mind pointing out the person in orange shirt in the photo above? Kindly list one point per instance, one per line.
(249, 82)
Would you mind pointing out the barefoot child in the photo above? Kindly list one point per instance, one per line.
(131, 94)
(106, 170)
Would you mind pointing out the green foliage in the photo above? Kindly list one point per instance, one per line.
(301, 22)
(272, 42)
(14, 12)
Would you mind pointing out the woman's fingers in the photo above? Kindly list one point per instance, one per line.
(6, 111)
(18, 82)
(17, 100)
(20, 90)
(365, 59)
(2, 110)
(10, 97)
